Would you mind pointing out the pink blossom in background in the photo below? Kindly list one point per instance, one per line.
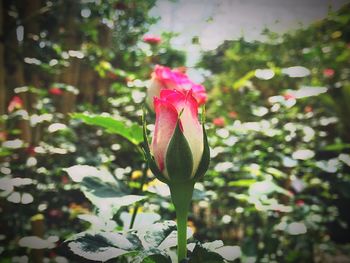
(328, 72)
(152, 39)
(15, 104)
(166, 78)
(219, 122)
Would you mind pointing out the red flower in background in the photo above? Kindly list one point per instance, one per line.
(328, 72)
(15, 104)
(219, 122)
(152, 39)
(55, 91)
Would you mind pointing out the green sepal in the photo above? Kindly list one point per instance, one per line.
(205, 160)
(179, 160)
(149, 158)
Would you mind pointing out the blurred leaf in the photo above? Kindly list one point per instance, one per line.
(338, 147)
(243, 80)
(265, 188)
(275, 172)
(4, 152)
(243, 182)
(199, 195)
(35, 242)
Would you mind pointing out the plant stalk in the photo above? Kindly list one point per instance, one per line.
(181, 195)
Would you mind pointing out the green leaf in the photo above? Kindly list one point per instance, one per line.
(107, 197)
(203, 255)
(157, 240)
(102, 246)
(161, 236)
(179, 160)
(157, 258)
(132, 133)
(156, 234)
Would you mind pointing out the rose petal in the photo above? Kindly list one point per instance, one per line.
(166, 119)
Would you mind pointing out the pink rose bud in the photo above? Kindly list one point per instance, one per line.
(165, 78)
(152, 39)
(179, 146)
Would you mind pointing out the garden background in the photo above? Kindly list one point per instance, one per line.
(73, 79)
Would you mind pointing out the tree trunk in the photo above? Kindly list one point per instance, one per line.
(103, 84)
(15, 75)
(2, 67)
(70, 75)
(38, 229)
(86, 83)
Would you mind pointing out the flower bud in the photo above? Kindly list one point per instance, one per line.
(179, 149)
